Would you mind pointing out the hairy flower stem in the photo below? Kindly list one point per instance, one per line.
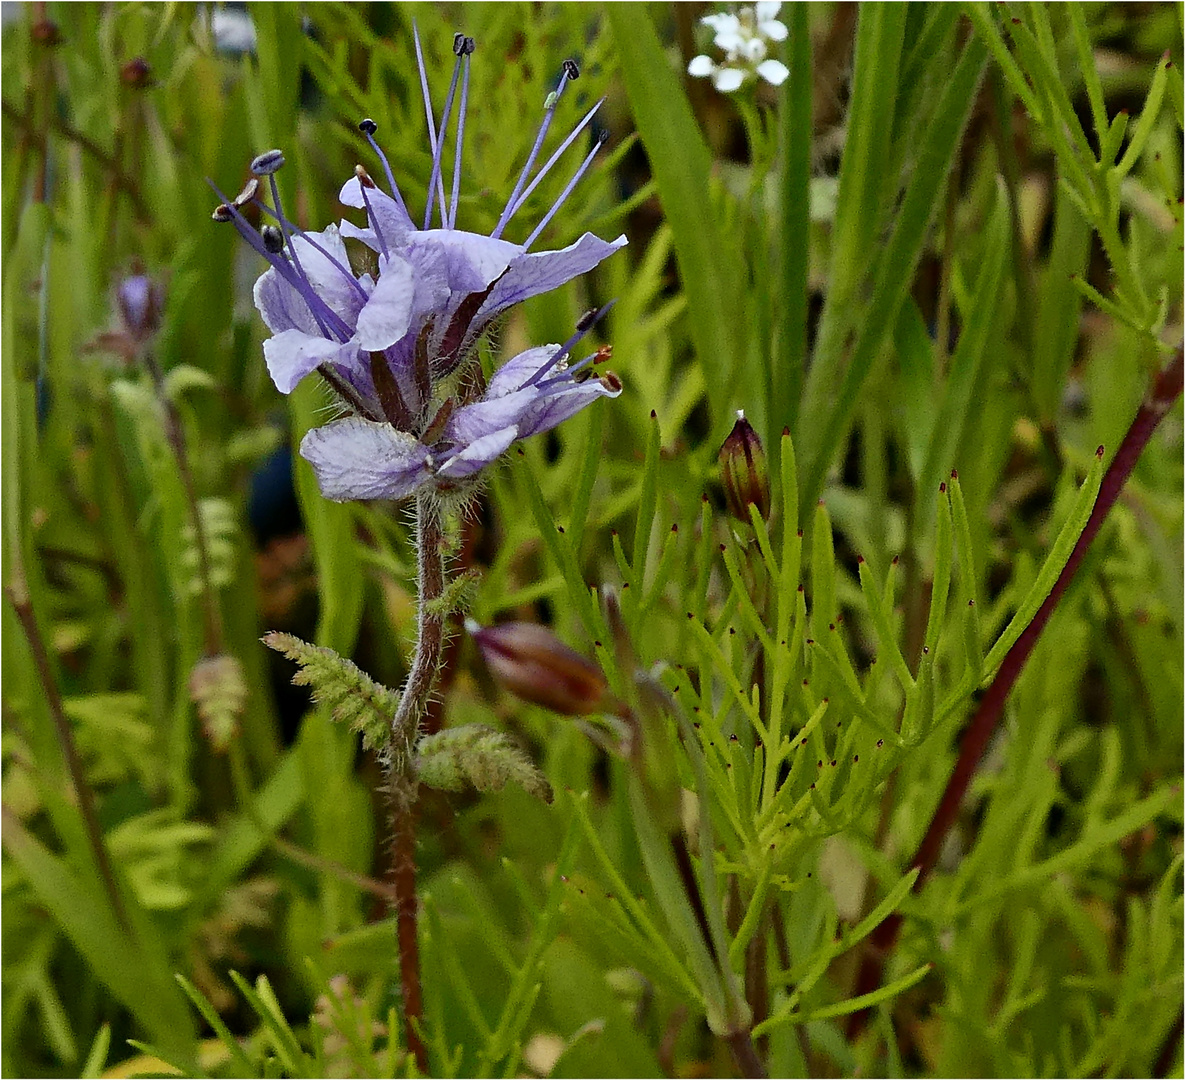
(1166, 389)
(398, 763)
(175, 433)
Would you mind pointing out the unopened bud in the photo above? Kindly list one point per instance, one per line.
(532, 663)
(136, 73)
(745, 471)
(140, 304)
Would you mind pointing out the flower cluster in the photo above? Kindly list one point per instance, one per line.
(397, 344)
(744, 39)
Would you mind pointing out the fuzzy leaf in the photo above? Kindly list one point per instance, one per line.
(353, 696)
(479, 756)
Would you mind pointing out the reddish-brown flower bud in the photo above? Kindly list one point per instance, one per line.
(744, 471)
(532, 663)
(136, 73)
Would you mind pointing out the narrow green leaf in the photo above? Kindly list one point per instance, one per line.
(708, 267)
(823, 606)
(896, 266)
(796, 129)
(96, 1058)
(1051, 569)
(970, 353)
(1147, 120)
(941, 580)
(239, 1062)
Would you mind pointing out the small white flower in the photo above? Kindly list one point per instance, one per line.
(743, 37)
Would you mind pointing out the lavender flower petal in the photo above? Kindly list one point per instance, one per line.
(293, 354)
(478, 454)
(393, 220)
(387, 314)
(359, 459)
(540, 272)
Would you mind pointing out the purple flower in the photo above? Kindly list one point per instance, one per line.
(398, 347)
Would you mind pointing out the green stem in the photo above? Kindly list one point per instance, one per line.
(175, 433)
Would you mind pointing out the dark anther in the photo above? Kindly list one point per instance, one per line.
(268, 162)
(367, 126)
(462, 45)
(470, 47)
(571, 70)
(586, 320)
(363, 177)
(610, 381)
(273, 239)
(222, 213)
(248, 193)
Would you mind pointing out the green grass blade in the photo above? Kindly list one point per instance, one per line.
(709, 268)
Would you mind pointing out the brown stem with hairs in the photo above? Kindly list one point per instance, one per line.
(399, 763)
(1163, 395)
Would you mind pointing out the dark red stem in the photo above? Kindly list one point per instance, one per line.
(1165, 391)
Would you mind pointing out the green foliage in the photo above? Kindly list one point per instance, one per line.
(944, 256)
(353, 698)
(474, 755)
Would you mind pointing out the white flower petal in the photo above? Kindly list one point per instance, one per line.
(701, 66)
(765, 10)
(773, 30)
(728, 79)
(773, 72)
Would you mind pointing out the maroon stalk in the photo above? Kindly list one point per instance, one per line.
(1165, 391)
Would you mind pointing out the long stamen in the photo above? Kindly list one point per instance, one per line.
(296, 230)
(570, 73)
(517, 205)
(321, 312)
(368, 127)
(572, 370)
(566, 192)
(586, 323)
(469, 46)
(415, 33)
(363, 182)
(438, 150)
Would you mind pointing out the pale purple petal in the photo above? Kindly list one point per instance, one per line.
(532, 274)
(478, 454)
(387, 314)
(392, 219)
(548, 410)
(469, 261)
(359, 459)
(293, 354)
(472, 422)
(515, 372)
(281, 306)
